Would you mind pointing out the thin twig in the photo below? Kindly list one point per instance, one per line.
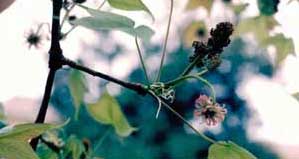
(196, 76)
(75, 26)
(66, 15)
(190, 67)
(69, 31)
(141, 60)
(102, 4)
(207, 83)
(139, 88)
(165, 42)
(104, 136)
(182, 78)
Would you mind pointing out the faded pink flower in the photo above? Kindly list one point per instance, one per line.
(203, 100)
(210, 111)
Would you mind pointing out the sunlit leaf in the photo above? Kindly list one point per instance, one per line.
(101, 20)
(107, 111)
(75, 147)
(196, 31)
(24, 132)
(110, 21)
(283, 45)
(260, 26)
(239, 8)
(101, 24)
(193, 4)
(77, 88)
(228, 150)
(130, 5)
(14, 140)
(15, 149)
(144, 33)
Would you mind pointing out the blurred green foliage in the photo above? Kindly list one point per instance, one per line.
(228, 151)
(77, 85)
(2, 115)
(15, 139)
(268, 7)
(107, 111)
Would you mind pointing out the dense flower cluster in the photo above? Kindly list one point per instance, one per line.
(211, 112)
(208, 54)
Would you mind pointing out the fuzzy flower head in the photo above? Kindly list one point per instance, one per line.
(210, 111)
(36, 36)
(33, 39)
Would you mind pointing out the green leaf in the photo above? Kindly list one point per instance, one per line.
(107, 111)
(283, 45)
(228, 150)
(24, 132)
(110, 21)
(260, 26)
(101, 20)
(15, 149)
(144, 33)
(238, 8)
(111, 18)
(15, 139)
(193, 4)
(77, 88)
(100, 24)
(75, 147)
(130, 5)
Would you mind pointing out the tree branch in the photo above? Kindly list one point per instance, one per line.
(43, 109)
(55, 54)
(139, 88)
